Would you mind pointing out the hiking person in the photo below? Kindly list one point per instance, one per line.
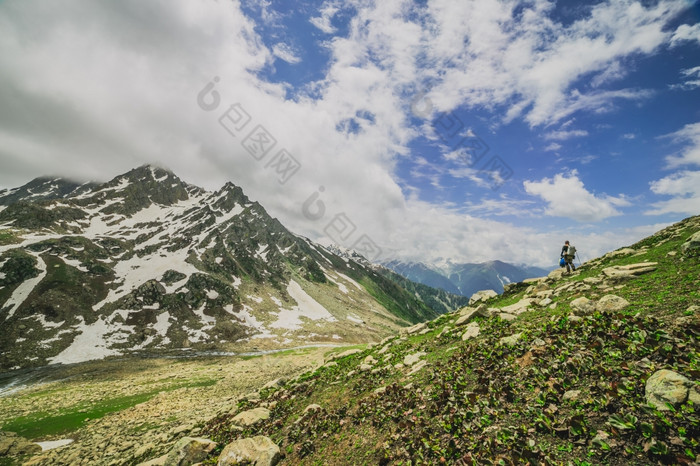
(568, 252)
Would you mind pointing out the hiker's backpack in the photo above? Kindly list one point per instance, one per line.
(562, 262)
(572, 250)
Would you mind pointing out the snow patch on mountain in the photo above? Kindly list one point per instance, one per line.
(136, 271)
(25, 288)
(306, 307)
(91, 343)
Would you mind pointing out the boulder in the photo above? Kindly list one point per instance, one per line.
(582, 306)
(507, 316)
(629, 271)
(472, 331)
(545, 302)
(312, 408)
(555, 275)
(481, 296)
(251, 417)
(260, 451)
(519, 307)
(692, 245)
(370, 360)
(611, 303)
(511, 340)
(189, 450)
(411, 359)
(468, 313)
(666, 386)
(414, 329)
(571, 395)
(335, 356)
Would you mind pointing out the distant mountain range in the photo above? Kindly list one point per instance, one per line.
(466, 279)
(149, 263)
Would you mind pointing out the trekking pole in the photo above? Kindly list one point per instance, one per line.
(579, 259)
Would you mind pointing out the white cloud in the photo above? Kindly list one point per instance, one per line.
(563, 134)
(566, 196)
(686, 32)
(323, 22)
(684, 186)
(690, 154)
(692, 80)
(554, 146)
(286, 53)
(629, 136)
(93, 102)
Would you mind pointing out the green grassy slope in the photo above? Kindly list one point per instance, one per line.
(568, 389)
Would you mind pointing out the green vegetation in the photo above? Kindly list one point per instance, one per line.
(43, 424)
(570, 391)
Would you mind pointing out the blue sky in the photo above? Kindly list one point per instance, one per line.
(438, 131)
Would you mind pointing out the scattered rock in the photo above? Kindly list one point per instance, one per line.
(692, 245)
(335, 356)
(611, 303)
(666, 386)
(411, 330)
(251, 417)
(274, 383)
(365, 368)
(418, 367)
(312, 408)
(12, 444)
(555, 275)
(481, 296)
(468, 313)
(472, 331)
(519, 307)
(593, 280)
(511, 340)
(189, 450)
(574, 318)
(571, 395)
(507, 316)
(370, 360)
(260, 451)
(545, 302)
(582, 306)
(411, 359)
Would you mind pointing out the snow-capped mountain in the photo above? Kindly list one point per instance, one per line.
(147, 262)
(466, 279)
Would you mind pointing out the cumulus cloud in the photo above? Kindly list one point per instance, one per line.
(686, 32)
(554, 146)
(94, 98)
(566, 196)
(684, 187)
(689, 135)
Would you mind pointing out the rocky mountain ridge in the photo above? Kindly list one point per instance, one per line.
(465, 279)
(147, 262)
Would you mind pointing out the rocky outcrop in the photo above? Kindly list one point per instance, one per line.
(187, 451)
(692, 245)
